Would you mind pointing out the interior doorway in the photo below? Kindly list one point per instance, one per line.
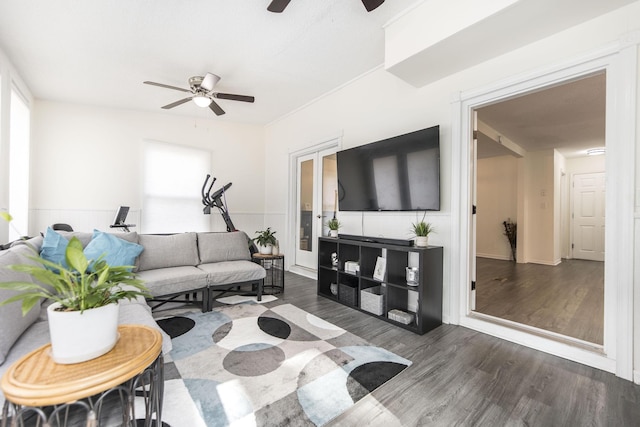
(530, 267)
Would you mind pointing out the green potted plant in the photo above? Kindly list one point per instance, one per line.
(421, 231)
(83, 316)
(265, 240)
(334, 225)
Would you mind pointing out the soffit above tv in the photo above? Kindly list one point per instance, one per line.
(485, 32)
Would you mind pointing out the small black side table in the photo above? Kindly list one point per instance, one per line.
(274, 264)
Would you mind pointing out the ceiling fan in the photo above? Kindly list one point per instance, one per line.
(278, 6)
(202, 93)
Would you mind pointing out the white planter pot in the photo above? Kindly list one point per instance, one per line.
(333, 233)
(78, 337)
(265, 250)
(422, 241)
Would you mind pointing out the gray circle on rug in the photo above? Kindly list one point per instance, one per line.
(253, 363)
(274, 327)
(222, 332)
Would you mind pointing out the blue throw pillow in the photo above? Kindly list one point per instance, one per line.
(116, 251)
(54, 247)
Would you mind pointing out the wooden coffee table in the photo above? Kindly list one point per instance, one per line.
(134, 364)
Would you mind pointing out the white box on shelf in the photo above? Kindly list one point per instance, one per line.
(412, 301)
(401, 316)
(372, 300)
(351, 267)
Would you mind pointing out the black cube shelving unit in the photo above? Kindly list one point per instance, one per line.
(423, 302)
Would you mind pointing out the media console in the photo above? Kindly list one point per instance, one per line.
(416, 307)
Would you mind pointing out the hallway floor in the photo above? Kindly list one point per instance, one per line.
(567, 299)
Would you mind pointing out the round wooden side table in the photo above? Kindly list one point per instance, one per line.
(35, 384)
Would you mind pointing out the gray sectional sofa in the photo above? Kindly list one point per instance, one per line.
(178, 267)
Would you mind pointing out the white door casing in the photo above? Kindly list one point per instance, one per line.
(619, 61)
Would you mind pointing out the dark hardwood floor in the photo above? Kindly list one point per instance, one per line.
(460, 377)
(567, 298)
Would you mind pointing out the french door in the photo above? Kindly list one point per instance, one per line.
(316, 179)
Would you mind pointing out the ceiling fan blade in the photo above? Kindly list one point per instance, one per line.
(216, 108)
(243, 98)
(175, 104)
(371, 4)
(209, 81)
(167, 86)
(277, 6)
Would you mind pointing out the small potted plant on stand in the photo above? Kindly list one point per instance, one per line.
(265, 241)
(83, 318)
(334, 225)
(421, 230)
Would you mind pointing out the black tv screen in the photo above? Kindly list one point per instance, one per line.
(396, 174)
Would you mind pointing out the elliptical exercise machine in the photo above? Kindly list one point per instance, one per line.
(215, 200)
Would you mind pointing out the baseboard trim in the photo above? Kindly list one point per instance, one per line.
(304, 271)
(494, 256)
(636, 377)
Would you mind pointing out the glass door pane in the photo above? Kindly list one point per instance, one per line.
(306, 205)
(329, 190)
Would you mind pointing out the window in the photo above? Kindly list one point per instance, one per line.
(19, 124)
(172, 181)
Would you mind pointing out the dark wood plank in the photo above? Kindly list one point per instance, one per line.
(567, 299)
(463, 377)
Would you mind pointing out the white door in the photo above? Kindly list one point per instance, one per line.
(588, 216)
(316, 204)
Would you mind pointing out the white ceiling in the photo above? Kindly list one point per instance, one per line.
(569, 117)
(99, 52)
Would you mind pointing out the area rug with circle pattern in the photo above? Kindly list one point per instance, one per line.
(249, 364)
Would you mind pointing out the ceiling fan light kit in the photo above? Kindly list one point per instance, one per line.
(202, 93)
(202, 101)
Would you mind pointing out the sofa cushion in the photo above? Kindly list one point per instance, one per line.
(12, 322)
(226, 272)
(83, 236)
(216, 247)
(34, 242)
(116, 251)
(54, 247)
(173, 250)
(173, 280)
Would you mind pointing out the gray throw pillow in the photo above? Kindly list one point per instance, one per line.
(12, 322)
(173, 250)
(219, 247)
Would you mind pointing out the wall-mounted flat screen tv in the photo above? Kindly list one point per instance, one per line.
(396, 174)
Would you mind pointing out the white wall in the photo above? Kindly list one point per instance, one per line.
(497, 179)
(539, 191)
(86, 162)
(379, 105)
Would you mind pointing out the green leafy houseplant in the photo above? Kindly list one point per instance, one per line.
(334, 224)
(265, 237)
(84, 285)
(422, 228)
